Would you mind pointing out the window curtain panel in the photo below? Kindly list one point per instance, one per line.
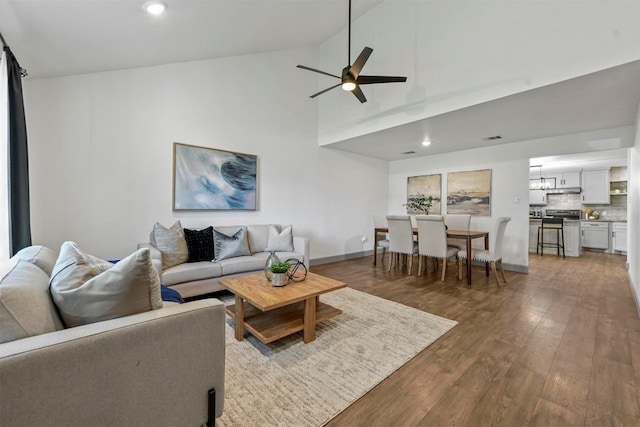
(18, 162)
(4, 162)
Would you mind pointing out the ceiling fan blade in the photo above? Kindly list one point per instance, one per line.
(318, 71)
(358, 94)
(369, 80)
(355, 69)
(326, 90)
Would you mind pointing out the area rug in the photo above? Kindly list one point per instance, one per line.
(289, 383)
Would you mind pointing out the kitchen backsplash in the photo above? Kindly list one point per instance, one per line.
(616, 211)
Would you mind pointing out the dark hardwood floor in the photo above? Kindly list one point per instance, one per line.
(559, 346)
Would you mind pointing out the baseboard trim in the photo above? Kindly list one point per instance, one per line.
(326, 260)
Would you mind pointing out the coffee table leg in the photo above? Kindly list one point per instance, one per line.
(239, 318)
(309, 319)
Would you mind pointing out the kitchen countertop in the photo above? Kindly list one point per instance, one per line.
(587, 220)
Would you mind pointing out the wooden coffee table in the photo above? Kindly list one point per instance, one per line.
(275, 312)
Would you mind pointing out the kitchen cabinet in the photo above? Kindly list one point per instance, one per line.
(537, 197)
(565, 179)
(595, 235)
(619, 236)
(595, 187)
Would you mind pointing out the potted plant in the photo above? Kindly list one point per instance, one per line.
(419, 203)
(280, 276)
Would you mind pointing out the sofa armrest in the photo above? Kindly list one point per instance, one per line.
(153, 368)
(302, 246)
(156, 257)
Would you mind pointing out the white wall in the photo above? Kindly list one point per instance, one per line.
(461, 53)
(633, 206)
(101, 153)
(510, 178)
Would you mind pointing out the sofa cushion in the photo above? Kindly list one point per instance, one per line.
(257, 236)
(190, 272)
(242, 264)
(230, 243)
(87, 289)
(26, 308)
(172, 244)
(280, 240)
(199, 244)
(39, 255)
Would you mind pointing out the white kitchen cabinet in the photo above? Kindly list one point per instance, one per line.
(537, 197)
(595, 187)
(619, 235)
(595, 235)
(572, 238)
(565, 179)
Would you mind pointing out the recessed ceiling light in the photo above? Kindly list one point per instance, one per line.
(426, 143)
(155, 7)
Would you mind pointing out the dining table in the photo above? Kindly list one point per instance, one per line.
(467, 235)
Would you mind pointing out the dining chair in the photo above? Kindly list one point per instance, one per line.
(401, 239)
(381, 239)
(493, 255)
(457, 222)
(432, 242)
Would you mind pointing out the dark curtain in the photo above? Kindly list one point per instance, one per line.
(19, 211)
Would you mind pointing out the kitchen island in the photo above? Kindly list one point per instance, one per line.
(571, 237)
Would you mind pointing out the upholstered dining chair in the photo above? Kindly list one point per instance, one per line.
(432, 242)
(494, 254)
(401, 239)
(457, 222)
(381, 240)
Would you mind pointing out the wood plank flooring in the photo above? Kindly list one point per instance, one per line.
(559, 346)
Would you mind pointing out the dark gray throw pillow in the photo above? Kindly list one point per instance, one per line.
(230, 246)
(199, 244)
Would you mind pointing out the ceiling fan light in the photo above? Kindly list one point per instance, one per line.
(155, 7)
(349, 85)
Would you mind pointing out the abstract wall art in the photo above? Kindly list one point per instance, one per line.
(428, 185)
(210, 179)
(469, 192)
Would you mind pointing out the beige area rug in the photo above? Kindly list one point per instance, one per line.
(289, 383)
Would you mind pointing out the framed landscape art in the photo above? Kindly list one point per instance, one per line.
(469, 192)
(210, 179)
(428, 185)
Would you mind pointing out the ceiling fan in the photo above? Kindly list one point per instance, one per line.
(351, 79)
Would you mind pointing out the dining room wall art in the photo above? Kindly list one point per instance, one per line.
(427, 185)
(211, 179)
(469, 192)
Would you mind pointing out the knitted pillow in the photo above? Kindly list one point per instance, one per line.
(199, 244)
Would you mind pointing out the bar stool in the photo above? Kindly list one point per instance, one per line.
(556, 224)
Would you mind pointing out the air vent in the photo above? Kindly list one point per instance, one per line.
(409, 152)
(492, 138)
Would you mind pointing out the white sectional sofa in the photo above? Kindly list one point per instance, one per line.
(153, 368)
(201, 277)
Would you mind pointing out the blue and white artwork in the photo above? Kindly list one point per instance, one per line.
(206, 178)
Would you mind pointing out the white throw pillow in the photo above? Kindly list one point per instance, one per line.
(172, 244)
(280, 241)
(87, 289)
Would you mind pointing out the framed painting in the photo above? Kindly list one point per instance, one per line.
(210, 179)
(469, 192)
(427, 185)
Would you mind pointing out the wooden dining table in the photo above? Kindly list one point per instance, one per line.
(467, 235)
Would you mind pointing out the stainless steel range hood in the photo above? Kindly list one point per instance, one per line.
(566, 190)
